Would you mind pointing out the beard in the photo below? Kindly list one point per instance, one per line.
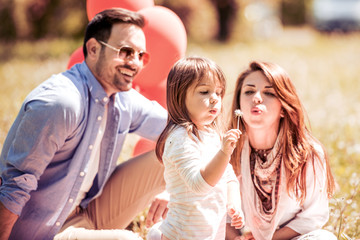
(110, 77)
(120, 84)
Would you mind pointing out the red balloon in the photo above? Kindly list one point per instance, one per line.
(156, 92)
(95, 6)
(76, 57)
(166, 42)
(142, 146)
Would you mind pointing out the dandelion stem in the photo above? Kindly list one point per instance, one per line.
(340, 226)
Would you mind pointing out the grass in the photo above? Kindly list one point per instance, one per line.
(324, 68)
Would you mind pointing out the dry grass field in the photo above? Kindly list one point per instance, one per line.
(324, 68)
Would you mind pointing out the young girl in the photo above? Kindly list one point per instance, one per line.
(201, 182)
(285, 174)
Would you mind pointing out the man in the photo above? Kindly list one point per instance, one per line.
(58, 163)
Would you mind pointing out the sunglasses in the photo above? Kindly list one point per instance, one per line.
(127, 52)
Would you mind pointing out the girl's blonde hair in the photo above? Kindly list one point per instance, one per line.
(297, 147)
(182, 75)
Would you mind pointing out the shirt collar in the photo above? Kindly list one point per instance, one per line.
(97, 92)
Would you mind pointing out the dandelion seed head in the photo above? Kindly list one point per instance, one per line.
(238, 113)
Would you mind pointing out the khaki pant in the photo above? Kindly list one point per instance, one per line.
(129, 190)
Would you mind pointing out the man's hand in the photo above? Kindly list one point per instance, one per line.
(158, 209)
(7, 221)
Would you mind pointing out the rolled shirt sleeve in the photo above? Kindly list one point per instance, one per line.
(37, 134)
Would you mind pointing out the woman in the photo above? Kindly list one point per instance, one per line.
(284, 173)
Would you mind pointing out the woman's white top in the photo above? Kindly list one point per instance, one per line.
(302, 218)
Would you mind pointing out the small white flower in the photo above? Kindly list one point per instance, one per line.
(238, 113)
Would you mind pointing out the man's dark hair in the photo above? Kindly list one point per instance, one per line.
(100, 26)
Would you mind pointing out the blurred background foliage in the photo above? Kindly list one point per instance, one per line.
(37, 19)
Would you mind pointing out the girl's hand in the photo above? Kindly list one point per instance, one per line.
(237, 217)
(229, 141)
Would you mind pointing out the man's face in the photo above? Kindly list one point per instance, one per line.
(115, 71)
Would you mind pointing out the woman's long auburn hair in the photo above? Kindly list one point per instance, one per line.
(297, 148)
(182, 75)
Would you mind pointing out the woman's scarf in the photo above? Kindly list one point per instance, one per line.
(261, 223)
(265, 171)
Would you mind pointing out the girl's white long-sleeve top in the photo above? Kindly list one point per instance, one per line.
(196, 209)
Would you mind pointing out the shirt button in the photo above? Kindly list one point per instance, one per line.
(96, 100)
(91, 147)
(57, 223)
(71, 200)
(105, 99)
(99, 118)
(82, 174)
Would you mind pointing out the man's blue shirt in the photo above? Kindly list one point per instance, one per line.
(44, 157)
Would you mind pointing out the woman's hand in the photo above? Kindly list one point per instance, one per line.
(234, 234)
(246, 236)
(284, 233)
